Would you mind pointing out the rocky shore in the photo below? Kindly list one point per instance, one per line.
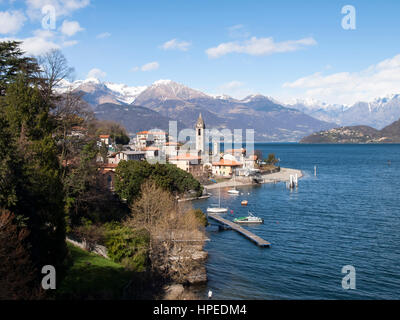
(196, 275)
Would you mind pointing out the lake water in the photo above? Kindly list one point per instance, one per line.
(348, 215)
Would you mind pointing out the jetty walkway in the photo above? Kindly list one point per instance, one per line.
(251, 236)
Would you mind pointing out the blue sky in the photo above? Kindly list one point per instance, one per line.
(285, 49)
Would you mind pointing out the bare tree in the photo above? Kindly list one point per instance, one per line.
(176, 235)
(53, 70)
(71, 111)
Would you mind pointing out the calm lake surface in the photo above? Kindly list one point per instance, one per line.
(348, 215)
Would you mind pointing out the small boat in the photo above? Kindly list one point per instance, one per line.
(250, 219)
(245, 203)
(234, 191)
(217, 208)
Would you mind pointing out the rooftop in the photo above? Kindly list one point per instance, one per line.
(231, 151)
(133, 152)
(151, 149)
(185, 157)
(151, 132)
(227, 163)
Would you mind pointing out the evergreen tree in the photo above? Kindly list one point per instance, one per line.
(12, 62)
(30, 175)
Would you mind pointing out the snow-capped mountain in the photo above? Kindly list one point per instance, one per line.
(377, 114)
(163, 90)
(272, 120)
(126, 93)
(97, 92)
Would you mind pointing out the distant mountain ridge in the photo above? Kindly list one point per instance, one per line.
(378, 113)
(357, 134)
(270, 120)
(169, 100)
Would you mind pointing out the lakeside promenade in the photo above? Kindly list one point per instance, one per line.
(282, 176)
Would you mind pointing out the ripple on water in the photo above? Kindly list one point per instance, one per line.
(348, 214)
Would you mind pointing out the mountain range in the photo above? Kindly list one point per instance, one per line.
(147, 107)
(141, 108)
(378, 113)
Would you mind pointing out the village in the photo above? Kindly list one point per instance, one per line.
(207, 166)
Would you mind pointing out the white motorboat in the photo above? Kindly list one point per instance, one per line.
(250, 219)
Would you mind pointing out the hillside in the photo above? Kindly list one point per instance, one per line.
(357, 134)
(133, 118)
(139, 108)
(270, 120)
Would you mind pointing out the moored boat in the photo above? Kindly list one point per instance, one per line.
(250, 219)
(217, 208)
(234, 191)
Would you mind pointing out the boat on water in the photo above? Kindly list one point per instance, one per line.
(250, 219)
(217, 208)
(245, 203)
(234, 191)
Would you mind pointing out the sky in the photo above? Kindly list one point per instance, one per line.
(287, 49)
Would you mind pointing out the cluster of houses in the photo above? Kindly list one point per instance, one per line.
(154, 145)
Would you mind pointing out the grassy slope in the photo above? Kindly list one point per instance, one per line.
(92, 277)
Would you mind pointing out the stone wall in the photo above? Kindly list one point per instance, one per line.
(98, 249)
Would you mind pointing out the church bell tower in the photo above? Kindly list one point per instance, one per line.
(200, 131)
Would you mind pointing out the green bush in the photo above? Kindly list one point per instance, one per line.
(201, 217)
(130, 175)
(126, 246)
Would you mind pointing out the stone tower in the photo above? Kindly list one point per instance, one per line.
(200, 132)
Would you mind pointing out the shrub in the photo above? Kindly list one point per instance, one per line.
(201, 217)
(127, 246)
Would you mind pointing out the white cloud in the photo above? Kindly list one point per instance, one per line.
(175, 44)
(238, 31)
(41, 42)
(45, 34)
(70, 28)
(62, 7)
(377, 80)
(37, 46)
(259, 46)
(96, 74)
(150, 66)
(11, 21)
(103, 35)
(34, 46)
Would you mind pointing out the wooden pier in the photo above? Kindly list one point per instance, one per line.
(251, 236)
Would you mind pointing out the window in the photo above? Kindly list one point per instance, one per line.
(199, 132)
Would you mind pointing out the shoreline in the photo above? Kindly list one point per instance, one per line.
(178, 291)
(282, 176)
